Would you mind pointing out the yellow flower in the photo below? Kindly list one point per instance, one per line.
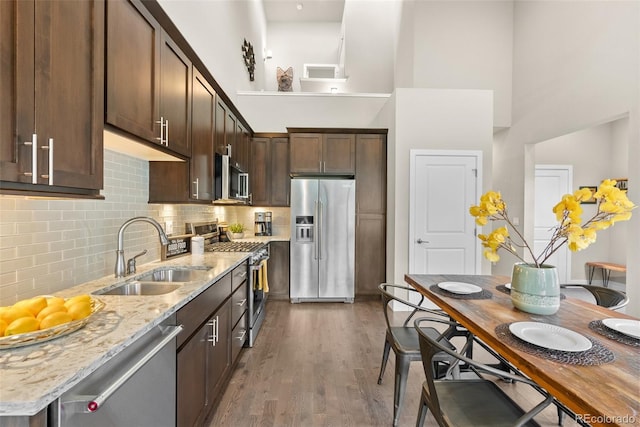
(613, 206)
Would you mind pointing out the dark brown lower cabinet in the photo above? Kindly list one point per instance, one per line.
(208, 347)
(370, 253)
(278, 271)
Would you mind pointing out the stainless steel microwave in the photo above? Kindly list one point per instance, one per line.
(231, 183)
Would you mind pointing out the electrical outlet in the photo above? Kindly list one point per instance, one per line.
(168, 227)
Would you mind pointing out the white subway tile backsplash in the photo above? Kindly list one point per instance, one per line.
(47, 245)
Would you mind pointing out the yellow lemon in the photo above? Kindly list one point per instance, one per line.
(55, 301)
(77, 298)
(34, 305)
(22, 325)
(3, 327)
(55, 319)
(51, 309)
(79, 310)
(14, 313)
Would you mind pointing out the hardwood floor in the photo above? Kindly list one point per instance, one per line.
(317, 364)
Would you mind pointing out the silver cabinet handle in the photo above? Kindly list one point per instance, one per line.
(161, 123)
(166, 132)
(212, 338)
(49, 176)
(241, 303)
(197, 183)
(242, 335)
(34, 158)
(420, 241)
(88, 404)
(229, 150)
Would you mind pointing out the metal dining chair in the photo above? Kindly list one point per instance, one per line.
(467, 402)
(403, 340)
(605, 297)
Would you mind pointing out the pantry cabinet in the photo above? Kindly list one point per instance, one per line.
(148, 79)
(51, 108)
(322, 153)
(371, 207)
(269, 173)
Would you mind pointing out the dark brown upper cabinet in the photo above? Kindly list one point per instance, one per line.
(325, 153)
(148, 78)
(52, 102)
(269, 173)
(221, 139)
(192, 180)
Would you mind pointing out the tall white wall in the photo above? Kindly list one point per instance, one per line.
(216, 31)
(576, 65)
(465, 45)
(370, 33)
(436, 119)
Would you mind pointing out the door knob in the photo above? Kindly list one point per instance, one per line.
(420, 241)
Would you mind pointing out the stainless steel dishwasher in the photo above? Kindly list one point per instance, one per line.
(137, 388)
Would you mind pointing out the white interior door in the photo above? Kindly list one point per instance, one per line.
(442, 233)
(551, 183)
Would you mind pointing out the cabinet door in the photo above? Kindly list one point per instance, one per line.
(238, 337)
(242, 147)
(230, 137)
(69, 89)
(133, 69)
(202, 135)
(191, 379)
(279, 176)
(221, 118)
(338, 154)
(175, 97)
(219, 352)
(370, 253)
(278, 272)
(371, 174)
(260, 174)
(305, 153)
(17, 120)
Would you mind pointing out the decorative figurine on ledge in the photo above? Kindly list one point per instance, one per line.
(285, 78)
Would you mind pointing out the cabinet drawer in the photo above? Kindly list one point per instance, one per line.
(239, 303)
(238, 337)
(198, 310)
(238, 275)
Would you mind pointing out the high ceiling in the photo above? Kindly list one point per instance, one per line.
(303, 10)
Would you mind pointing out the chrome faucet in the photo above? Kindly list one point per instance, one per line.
(120, 265)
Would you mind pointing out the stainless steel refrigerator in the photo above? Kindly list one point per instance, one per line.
(322, 240)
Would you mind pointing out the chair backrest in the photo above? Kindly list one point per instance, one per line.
(388, 290)
(605, 297)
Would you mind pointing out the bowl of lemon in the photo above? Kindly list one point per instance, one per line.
(42, 318)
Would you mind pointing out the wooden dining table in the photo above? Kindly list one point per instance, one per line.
(607, 394)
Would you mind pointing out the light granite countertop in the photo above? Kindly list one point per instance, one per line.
(33, 376)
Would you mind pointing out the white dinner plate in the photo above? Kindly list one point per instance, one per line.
(459, 287)
(550, 336)
(624, 326)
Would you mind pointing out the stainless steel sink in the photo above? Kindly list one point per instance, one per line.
(172, 275)
(142, 288)
(156, 282)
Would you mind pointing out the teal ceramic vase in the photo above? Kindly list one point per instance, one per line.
(534, 289)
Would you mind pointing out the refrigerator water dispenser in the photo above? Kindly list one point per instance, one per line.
(304, 229)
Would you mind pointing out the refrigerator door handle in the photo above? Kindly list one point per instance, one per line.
(316, 239)
(320, 228)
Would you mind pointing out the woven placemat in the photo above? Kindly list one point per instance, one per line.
(598, 354)
(599, 327)
(484, 294)
(505, 290)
